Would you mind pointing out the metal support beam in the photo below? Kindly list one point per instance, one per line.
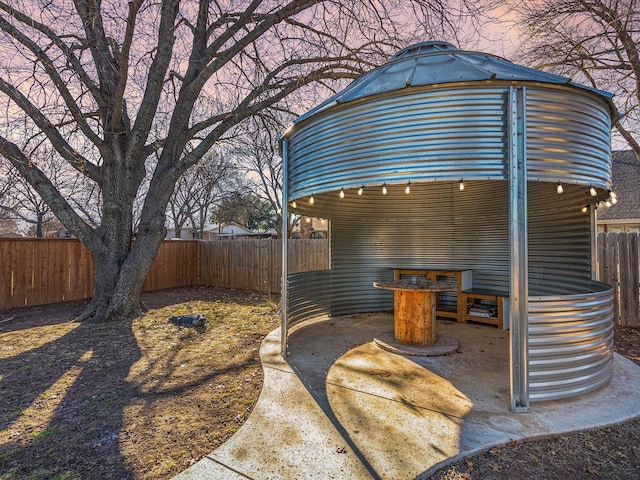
(518, 232)
(593, 218)
(284, 235)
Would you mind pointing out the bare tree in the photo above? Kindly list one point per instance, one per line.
(199, 189)
(258, 154)
(591, 41)
(8, 225)
(132, 94)
(28, 206)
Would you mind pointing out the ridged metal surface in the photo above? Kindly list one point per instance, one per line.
(567, 137)
(570, 343)
(437, 225)
(446, 133)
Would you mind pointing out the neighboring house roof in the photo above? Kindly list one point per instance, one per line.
(228, 229)
(625, 174)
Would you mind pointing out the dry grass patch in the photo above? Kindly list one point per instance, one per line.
(140, 400)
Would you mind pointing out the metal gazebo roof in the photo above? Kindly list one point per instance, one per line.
(435, 62)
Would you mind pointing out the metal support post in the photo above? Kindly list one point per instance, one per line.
(518, 232)
(284, 235)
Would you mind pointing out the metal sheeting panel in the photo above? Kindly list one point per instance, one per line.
(310, 296)
(429, 135)
(568, 137)
(447, 132)
(438, 225)
(559, 239)
(570, 343)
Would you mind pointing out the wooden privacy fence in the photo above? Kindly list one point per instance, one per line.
(619, 266)
(39, 271)
(257, 264)
(35, 271)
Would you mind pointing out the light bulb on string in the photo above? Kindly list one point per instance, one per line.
(342, 193)
(559, 188)
(407, 190)
(613, 197)
(312, 200)
(592, 191)
(294, 204)
(585, 209)
(607, 203)
(384, 188)
(461, 185)
(361, 190)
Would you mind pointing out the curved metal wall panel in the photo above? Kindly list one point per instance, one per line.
(429, 134)
(310, 296)
(570, 343)
(559, 240)
(437, 225)
(568, 136)
(447, 132)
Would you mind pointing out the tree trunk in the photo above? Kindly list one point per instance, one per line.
(39, 219)
(122, 262)
(118, 284)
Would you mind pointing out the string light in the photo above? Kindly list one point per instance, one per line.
(342, 193)
(312, 200)
(294, 204)
(384, 188)
(461, 185)
(308, 219)
(613, 197)
(361, 190)
(585, 209)
(559, 188)
(607, 203)
(592, 191)
(407, 190)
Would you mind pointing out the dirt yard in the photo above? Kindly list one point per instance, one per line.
(146, 399)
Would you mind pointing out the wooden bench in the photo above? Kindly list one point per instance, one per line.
(476, 297)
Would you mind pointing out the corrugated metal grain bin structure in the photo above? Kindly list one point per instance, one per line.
(434, 119)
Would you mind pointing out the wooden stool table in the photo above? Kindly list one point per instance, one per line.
(414, 312)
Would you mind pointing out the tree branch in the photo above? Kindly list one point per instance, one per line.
(45, 188)
(47, 65)
(76, 160)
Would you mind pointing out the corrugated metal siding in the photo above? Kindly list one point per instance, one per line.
(568, 136)
(447, 132)
(559, 239)
(437, 225)
(431, 134)
(570, 343)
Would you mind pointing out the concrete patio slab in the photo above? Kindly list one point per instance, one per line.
(341, 407)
